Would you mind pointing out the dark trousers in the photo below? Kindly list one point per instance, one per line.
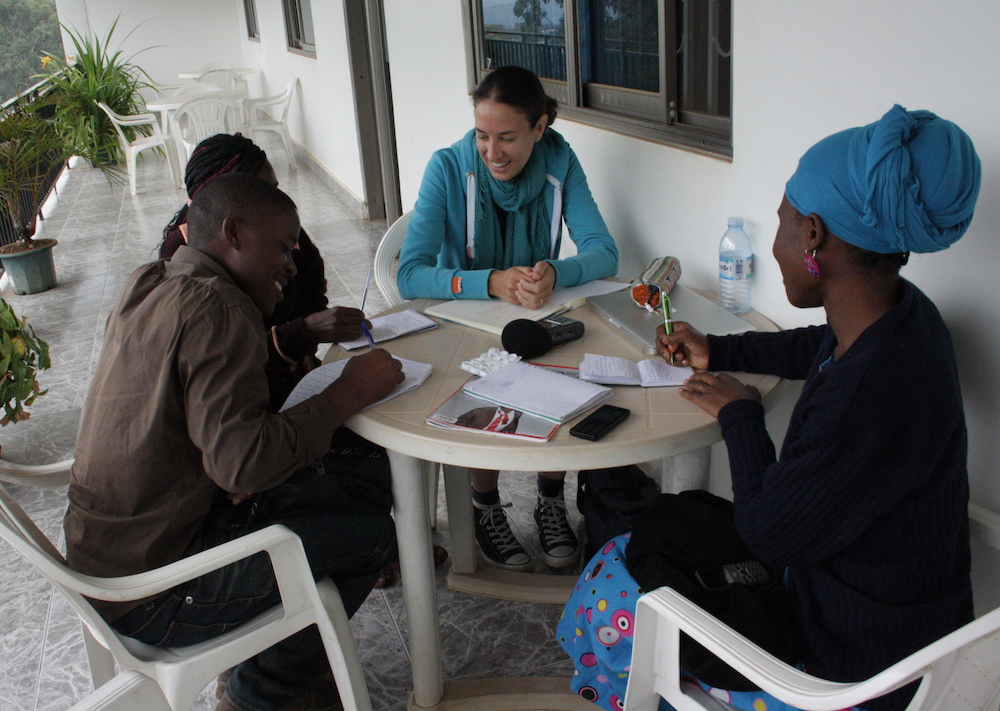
(349, 544)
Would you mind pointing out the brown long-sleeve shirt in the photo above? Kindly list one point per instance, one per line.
(176, 411)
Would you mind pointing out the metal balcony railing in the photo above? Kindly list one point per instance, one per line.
(7, 232)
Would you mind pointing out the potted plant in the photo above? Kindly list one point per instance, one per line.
(94, 74)
(32, 148)
(22, 355)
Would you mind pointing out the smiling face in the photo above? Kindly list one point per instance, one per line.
(261, 263)
(504, 138)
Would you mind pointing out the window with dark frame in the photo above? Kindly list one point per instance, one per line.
(250, 10)
(655, 69)
(299, 26)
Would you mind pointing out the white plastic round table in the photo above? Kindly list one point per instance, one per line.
(662, 425)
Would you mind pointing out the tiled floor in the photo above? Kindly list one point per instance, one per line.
(104, 234)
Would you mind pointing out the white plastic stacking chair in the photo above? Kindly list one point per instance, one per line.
(182, 672)
(203, 116)
(385, 279)
(385, 259)
(959, 671)
(36, 474)
(224, 78)
(131, 149)
(275, 119)
(129, 691)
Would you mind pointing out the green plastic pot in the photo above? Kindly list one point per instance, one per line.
(31, 271)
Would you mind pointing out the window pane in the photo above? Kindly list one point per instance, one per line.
(704, 62)
(619, 43)
(308, 35)
(526, 33)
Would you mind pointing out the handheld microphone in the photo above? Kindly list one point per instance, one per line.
(530, 339)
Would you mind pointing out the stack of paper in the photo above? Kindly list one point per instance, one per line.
(538, 391)
(316, 381)
(620, 371)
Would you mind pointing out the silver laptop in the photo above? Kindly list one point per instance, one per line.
(704, 315)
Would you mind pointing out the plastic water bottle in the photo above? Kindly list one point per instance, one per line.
(735, 266)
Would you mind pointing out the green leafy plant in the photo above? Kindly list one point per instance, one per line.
(22, 355)
(96, 73)
(32, 146)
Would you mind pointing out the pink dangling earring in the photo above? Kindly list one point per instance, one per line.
(812, 266)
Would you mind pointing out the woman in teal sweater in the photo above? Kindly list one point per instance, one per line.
(488, 224)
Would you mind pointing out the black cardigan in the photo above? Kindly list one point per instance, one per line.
(866, 508)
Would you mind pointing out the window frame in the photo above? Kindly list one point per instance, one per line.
(250, 13)
(655, 116)
(295, 25)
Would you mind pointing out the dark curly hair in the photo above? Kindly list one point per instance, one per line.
(217, 155)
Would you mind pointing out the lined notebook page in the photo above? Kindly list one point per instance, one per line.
(539, 391)
(390, 326)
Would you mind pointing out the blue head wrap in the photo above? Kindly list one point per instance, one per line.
(906, 183)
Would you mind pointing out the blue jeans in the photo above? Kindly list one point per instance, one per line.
(349, 547)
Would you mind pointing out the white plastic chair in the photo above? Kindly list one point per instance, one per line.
(129, 691)
(132, 148)
(224, 78)
(258, 120)
(203, 116)
(385, 259)
(182, 672)
(36, 474)
(959, 671)
(385, 279)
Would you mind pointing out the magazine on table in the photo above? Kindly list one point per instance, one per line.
(467, 413)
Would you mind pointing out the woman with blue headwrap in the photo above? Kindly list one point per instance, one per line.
(864, 512)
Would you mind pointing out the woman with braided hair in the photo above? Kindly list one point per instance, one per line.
(302, 319)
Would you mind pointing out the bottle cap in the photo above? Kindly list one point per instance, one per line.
(735, 221)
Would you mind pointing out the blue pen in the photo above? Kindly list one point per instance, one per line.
(364, 297)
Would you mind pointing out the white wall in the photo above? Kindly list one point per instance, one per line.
(163, 39)
(194, 32)
(802, 70)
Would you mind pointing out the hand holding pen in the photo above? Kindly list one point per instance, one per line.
(686, 345)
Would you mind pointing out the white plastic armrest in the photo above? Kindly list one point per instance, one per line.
(139, 119)
(763, 669)
(284, 547)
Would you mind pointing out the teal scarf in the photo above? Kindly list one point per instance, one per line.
(527, 239)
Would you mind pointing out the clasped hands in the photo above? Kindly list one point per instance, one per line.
(708, 391)
(528, 286)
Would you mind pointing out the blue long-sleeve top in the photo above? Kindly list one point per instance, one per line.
(866, 507)
(434, 250)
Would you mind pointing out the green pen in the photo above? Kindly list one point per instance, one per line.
(667, 325)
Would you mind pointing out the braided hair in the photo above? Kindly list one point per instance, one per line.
(217, 155)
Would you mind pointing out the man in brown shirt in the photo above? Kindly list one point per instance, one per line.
(175, 434)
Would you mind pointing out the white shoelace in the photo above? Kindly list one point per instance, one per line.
(495, 521)
(555, 525)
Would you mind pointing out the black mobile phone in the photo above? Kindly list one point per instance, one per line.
(600, 422)
(720, 577)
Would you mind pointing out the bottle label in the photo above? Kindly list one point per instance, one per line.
(735, 268)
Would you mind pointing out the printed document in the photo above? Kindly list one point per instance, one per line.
(316, 381)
